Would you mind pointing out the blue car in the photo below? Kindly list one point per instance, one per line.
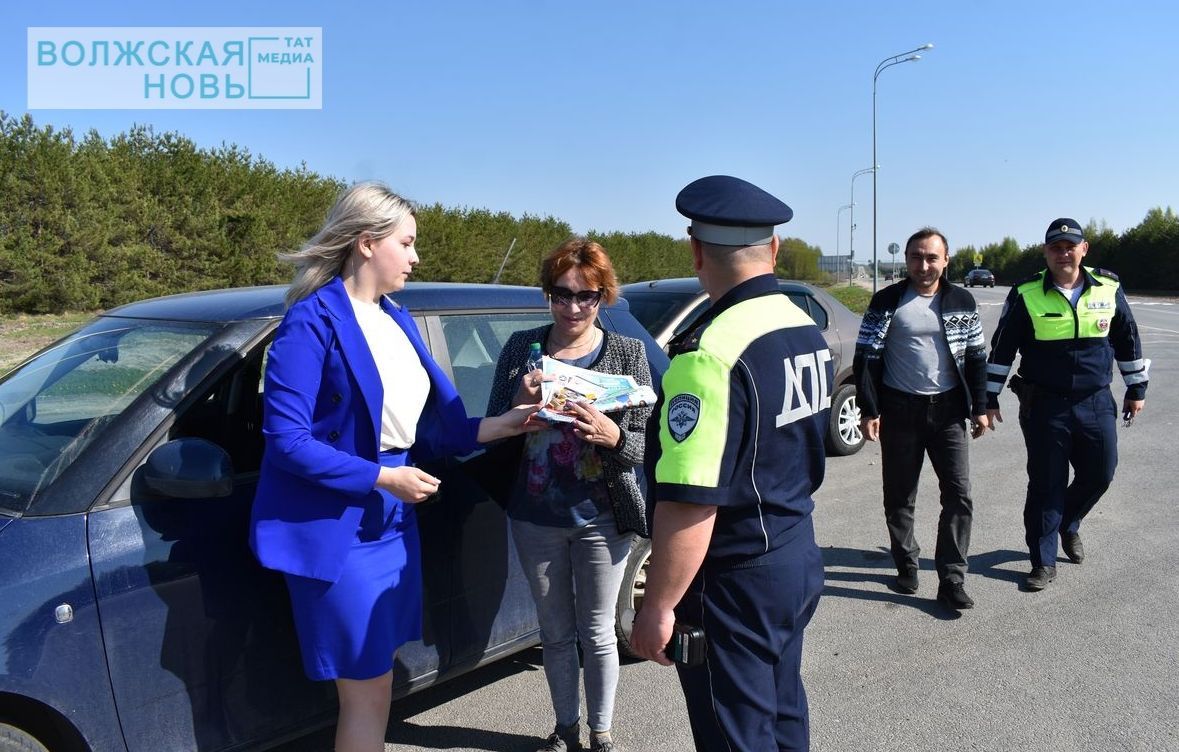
(133, 615)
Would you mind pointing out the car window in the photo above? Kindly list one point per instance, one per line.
(229, 414)
(696, 312)
(656, 310)
(474, 342)
(57, 404)
(810, 307)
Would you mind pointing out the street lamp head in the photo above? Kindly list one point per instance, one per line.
(883, 65)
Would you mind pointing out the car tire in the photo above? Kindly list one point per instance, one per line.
(630, 595)
(844, 436)
(13, 739)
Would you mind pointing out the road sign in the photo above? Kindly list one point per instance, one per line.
(894, 249)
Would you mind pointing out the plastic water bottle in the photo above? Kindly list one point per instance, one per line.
(534, 356)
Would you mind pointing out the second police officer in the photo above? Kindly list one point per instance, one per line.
(741, 421)
(1069, 323)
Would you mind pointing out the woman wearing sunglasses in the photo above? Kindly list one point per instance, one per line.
(575, 504)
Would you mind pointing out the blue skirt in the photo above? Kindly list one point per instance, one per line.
(350, 628)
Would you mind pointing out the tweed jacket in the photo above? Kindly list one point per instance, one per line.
(961, 326)
(619, 354)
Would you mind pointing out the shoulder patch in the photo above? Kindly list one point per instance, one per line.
(1029, 278)
(1105, 273)
(683, 413)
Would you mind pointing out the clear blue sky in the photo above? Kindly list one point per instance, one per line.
(598, 113)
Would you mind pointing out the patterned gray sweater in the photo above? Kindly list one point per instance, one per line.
(963, 331)
(619, 354)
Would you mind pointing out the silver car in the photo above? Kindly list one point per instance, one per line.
(667, 307)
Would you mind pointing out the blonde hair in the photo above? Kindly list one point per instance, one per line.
(368, 207)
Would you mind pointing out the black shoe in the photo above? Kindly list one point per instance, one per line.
(598, 744)
(1073, 548)
(563, 739)
(1040, 577)
(907, 580)
(953, 594)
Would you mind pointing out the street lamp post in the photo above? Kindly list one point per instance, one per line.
(888, 62)
(851, 230)
(838, 214)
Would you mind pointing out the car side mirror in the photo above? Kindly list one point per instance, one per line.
(189, 468)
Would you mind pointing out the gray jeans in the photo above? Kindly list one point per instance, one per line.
(590, 561)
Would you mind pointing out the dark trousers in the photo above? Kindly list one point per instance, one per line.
(912, 426)
(1062, 431)
(748, 693)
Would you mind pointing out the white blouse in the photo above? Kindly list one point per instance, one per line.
(405, 383)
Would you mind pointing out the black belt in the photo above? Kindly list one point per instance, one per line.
(954, 394)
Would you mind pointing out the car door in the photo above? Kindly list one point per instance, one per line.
(466, 538)
(199, 637)
(823, 320)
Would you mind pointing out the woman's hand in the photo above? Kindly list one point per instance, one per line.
(520, 419)
(591, 424)
(529, 390)
(408, 483)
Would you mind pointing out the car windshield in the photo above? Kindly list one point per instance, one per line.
(55, 405)
(655, 310)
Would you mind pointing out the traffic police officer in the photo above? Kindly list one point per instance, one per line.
(739, 452)
(1068, 322)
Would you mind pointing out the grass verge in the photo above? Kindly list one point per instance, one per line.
(22, 334)
(853, 296)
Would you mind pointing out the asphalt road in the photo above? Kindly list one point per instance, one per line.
(1088, 664)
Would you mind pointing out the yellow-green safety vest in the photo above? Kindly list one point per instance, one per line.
(1053, 317)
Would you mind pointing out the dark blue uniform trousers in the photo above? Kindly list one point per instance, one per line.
(1061, 431)
(748, 694)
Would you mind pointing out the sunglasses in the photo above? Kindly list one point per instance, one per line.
(585, 298)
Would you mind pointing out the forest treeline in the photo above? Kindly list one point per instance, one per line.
(89, 223)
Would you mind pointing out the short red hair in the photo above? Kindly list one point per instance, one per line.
(587, 257)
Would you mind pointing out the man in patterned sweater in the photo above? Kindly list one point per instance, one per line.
(921, 373)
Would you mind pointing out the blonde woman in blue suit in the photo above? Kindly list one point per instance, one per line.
(352, 400)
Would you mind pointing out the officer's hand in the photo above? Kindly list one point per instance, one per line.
(870, 427)
(980, 425)
(993, 417)
(1131, 408)
(651, 633)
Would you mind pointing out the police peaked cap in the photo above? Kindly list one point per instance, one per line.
(730, 211)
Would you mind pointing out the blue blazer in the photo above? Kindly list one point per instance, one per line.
(321, 422)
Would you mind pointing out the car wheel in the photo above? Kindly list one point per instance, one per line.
(844, 436)
(13, 739)
(630, 595)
